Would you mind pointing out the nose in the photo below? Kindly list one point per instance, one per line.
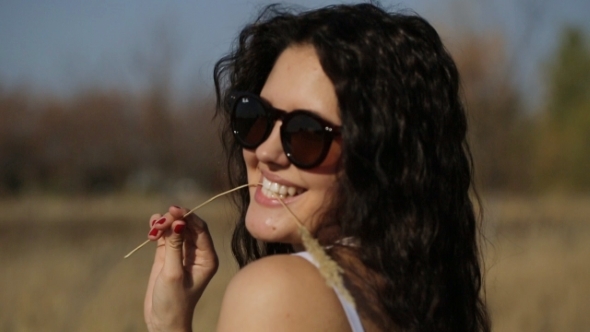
(271, 150)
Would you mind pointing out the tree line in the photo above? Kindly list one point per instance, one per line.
(102, 140)
(105, 140)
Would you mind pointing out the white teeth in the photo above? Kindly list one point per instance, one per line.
(266, 183)
(291, 191)
(272, 189)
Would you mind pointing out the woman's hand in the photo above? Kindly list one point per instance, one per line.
(184, 264)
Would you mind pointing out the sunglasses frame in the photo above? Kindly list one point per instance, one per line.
(273, 114)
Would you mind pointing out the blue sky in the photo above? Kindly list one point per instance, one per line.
(61, 46)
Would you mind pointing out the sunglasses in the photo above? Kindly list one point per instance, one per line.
(306, 137)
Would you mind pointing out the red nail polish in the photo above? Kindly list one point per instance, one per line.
(161, 220)
(153, 232)
(176, 206)
(178, 228)
(153, 222)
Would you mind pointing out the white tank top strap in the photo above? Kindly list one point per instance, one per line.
(351, 313)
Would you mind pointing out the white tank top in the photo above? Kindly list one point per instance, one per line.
(351, 313)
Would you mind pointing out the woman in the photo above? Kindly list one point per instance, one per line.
(380, 178)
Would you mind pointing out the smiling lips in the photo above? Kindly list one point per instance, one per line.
(273, 189)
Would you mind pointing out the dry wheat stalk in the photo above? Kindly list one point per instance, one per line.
(195, 209)
(328, 268)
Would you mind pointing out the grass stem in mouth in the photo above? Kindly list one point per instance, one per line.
(196, 208)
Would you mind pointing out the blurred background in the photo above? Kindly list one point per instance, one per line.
(106, 117)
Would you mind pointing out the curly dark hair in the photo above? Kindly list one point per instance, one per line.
(403, 189)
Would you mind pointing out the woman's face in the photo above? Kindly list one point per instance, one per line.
(296, 82)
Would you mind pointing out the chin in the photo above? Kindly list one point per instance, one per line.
(269, 228)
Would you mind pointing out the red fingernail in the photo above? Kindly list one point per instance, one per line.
(153, 232)
(153, 222)
(161, 220)
(176, 206)
(178, 228)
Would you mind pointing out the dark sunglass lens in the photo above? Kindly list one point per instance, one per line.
(305, 138)
(250, 122)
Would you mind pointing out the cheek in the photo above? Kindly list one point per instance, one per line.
(319, 198)
(249, 158)
(251, 165)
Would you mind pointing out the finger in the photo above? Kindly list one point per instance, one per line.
(156, 268)
(173, 250)
(156, 235)
(200, 255)
(202, 237)
(198, 243)
(177, 212)
(154, 218)
(159, 225)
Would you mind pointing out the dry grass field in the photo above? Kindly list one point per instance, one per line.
(62, 266)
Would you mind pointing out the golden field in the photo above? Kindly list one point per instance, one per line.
(62, 266)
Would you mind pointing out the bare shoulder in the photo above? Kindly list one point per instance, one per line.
(281, 292)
